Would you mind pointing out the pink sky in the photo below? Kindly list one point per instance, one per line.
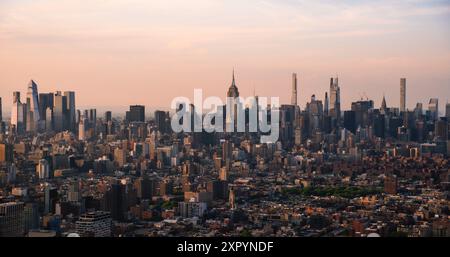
(117, 53)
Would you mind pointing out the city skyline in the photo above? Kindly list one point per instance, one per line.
(84, 48)
(318, 95)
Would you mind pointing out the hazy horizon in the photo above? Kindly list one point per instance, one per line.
(118, 53)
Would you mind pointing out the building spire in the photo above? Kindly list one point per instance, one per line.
(233, 83)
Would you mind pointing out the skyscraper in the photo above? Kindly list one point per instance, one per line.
(17, 113)
(33, 102)
(12, 219)
(136, 113)
(326, 104)
(335, 99)
(232, 98)
(59, 110)
(294, 89)
(433, 107)
(402, 94)
(45, 101)
(70, 107)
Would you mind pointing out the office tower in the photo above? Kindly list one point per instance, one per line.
(441, 129)
(17, 113)
(45, 101)
(49, 119)
(92, 117)
(74, 194)
(1, 111)
(402, 94)
(232, 102)
(59, 111)
(361, 109)
(314, 110)
(50, 198)
(294, 89)
(33, 102)
(94, 224)
(12, 171)
(31, 216)
(350, 121)
(12, 219)
(145, 187)
(6, 153)
(43, 169)
(120, 156)
(117, 201)
(70, 108)
(82, 128)
(136, 113)
(108, 116)
(433, 107)
(287, 120)
(161, 121)
(326, 104)
(335, 99)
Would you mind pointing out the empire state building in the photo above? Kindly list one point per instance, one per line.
(232, 106)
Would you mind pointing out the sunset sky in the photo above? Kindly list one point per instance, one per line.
(116, 52)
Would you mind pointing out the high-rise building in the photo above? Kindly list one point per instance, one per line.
(294, 89)
(74, 194)
(402, 94)
(45, 101)
(108, 116)
(136, 113)
(59, 111)
(82, 128)
(433, 107)
(232, 102)
(335, 99)
(49, 119)
(326, 106)
(70, 107)
(161, 121)
(33, 103)
(50, 198)
(6, 153)
(94, 224)
(43, 169)
(18, 111)
(12, 219)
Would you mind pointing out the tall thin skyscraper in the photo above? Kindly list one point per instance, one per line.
(402, 94)
(294, 89)
(59, 109)
(335, 99)
(433, 107)
(326, 107)
(17, 113)
(33, 101)
(70, 107)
